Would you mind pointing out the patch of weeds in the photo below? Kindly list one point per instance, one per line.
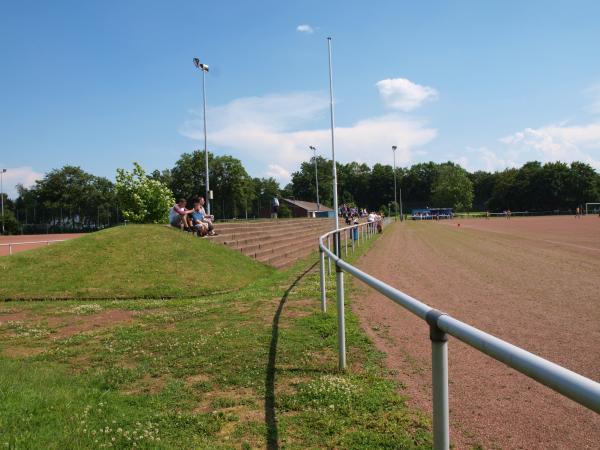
(86, 309)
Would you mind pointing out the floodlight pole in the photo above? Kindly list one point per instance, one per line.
(395, 200)
(204, 69)
(339, 274)
(2, 172)
(316, 177)
(335, 197)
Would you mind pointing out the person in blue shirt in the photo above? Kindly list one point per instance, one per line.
(201, 221)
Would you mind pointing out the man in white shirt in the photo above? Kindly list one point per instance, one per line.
(178, 215)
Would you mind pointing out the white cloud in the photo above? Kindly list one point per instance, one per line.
(24, 175)
(558, 142)
(277, 172)
(305, 28)
(483, 158)
(403, 94)
(271, 134)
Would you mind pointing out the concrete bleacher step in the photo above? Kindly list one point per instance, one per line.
(278, 243)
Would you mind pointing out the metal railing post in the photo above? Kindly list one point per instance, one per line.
(339, 279)
(346, 243)
(9, 249)
(322, 280)
(439, 375)
(329, 259)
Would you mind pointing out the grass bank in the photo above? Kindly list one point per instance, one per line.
(137, 261)
(253, 368)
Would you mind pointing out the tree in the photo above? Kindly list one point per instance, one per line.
(452, 188)
(143, 199)
(231, 184)
(67, 198)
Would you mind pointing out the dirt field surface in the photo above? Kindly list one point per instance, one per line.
(534, 282)
(38, 240)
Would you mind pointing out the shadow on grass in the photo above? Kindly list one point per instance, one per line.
(270, 415)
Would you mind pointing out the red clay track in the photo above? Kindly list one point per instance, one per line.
(38, 238)
(534, 282)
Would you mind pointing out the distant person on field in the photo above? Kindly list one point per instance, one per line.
(178, 215)
(274, 208)
(578, 213)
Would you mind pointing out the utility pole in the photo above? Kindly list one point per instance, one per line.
(2, 172)
(395, 200)
(316, 177)
(204, 69)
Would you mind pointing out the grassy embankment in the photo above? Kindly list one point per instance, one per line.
(143, 261)
(248, 368)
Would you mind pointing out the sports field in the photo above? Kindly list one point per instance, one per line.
(534, 282)
(37, 240)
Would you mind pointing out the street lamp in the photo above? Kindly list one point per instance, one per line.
(316, 177)
(2, 172)
(395, 200)
(204, 69)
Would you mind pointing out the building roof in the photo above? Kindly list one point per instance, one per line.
(308, 206)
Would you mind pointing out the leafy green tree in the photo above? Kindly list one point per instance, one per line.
(303, 181)
(143, 199)
(66, 198)
(452, 188)
(583, 184)
(229, 181)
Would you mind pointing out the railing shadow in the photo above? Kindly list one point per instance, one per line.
(270, 414)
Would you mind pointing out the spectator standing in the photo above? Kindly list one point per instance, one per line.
(274, 208)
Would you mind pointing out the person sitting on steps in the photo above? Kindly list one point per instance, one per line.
(207, 219)
(178, 216)
(198, 214)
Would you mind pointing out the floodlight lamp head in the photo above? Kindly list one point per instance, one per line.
(312, 148)
(204, 67)
(394, 147)
(3, 170)
(197, 62)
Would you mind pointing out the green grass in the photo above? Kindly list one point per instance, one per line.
(143, 261)
(253, 368)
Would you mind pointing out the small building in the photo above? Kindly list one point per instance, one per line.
(301, 208)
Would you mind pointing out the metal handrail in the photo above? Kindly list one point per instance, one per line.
(578, 388)
(47, 242)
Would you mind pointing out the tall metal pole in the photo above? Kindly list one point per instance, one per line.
(401, 212)
(208, 202)
(2, 172)
(338, 271)
(335, 197)
(316, 177)
(395, 200)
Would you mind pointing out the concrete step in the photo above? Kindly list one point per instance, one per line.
(284, 247)
(247, 227)
(253, 237)
(260, 241)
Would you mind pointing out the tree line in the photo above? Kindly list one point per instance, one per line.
(72, 199)
(532, 187)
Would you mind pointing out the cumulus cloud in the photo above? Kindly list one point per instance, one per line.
(305, 28)
(484, 158)
(404, 95)
(271, 134)
(24, 175)
(558, 142)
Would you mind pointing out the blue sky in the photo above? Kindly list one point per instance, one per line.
(487, 85)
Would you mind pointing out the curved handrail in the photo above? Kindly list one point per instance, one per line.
(578, 388)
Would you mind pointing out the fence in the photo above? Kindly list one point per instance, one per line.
(10, 244)
(582, 390)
